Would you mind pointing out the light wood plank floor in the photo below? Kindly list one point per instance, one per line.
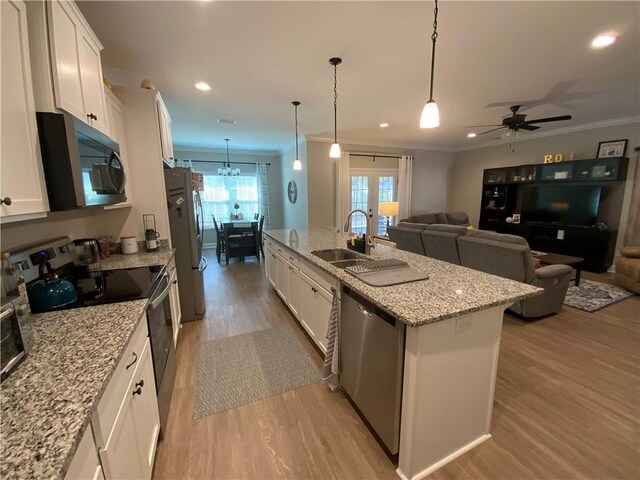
(567, 402)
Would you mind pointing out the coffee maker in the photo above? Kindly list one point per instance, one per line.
(91, 280)
(150, 234)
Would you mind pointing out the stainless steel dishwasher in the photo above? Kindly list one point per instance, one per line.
(371, 364)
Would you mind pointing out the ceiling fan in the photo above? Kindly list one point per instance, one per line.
(517, 121)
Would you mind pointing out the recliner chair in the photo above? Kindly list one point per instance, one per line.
(407, 238)
(441, 242)
(509, 256)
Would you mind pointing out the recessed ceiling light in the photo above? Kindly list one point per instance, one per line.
(603, 40)
(384, 125)
(205, 87)
(471, 135)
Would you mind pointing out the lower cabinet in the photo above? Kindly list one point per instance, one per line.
(315, 306)
(85, 464)
(174, 300)
(308, 298)
(130, 450)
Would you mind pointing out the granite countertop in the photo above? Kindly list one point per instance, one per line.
(119, 261)
(48, 399)
(450, 291)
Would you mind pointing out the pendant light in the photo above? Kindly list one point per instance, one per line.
(335, 148)
(227, 171)
(297, 164)
(430, 117)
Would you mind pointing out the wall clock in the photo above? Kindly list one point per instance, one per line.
(292, 191)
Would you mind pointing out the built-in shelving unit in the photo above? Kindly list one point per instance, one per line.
(504, 191)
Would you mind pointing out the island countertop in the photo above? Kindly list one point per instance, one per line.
(450, 291)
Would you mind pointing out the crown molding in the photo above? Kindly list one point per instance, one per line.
(558, 131)
(223, 150)
(367, 143)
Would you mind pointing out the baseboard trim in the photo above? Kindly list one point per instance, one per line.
(441, 463)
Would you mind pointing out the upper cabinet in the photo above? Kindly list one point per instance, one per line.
(22, 187)
(76, 65)
(115, 120)
(166, 138)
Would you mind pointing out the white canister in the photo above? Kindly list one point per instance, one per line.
(129, 245)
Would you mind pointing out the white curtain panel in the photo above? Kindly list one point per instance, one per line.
(405, 171)
(263, 194)
(343, 190)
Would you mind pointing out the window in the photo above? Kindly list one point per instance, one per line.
(220, 193)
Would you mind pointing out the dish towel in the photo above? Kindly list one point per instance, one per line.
(331, 370)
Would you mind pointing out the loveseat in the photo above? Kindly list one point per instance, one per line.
(628, 269)
(509, 256)
(441, 218)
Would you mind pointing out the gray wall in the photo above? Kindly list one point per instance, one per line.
(428, 191)
(273, 176)
(466, 180)
(295, 215)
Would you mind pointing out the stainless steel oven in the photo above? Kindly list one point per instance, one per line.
(16, 333)
(162, 349)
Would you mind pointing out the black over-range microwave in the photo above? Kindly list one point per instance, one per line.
(82, 166)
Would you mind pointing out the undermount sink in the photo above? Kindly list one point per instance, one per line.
(336, 254)
(347, 263)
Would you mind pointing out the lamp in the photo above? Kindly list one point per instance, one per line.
(297, 164)
(430, 117)
(389, 209)
(227, 171)
(335, 148)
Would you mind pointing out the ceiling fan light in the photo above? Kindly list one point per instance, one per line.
(430, 117)
(335, 150)
(297, 164)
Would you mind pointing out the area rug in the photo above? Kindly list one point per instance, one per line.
(592, 296)
(234, 371)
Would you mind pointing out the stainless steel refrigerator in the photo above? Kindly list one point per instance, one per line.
(187, 235)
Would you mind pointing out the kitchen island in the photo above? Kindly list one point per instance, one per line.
(451, 345)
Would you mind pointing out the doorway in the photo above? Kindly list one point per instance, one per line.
(368, 189)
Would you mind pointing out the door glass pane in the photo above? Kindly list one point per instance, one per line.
(386, 185)
(359, 199)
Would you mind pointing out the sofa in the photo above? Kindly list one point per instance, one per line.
(628, 269)
(441, 242)
(407, 238)
(441, 218)
(509, 256)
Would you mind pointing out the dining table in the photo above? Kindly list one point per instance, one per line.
(241, 238)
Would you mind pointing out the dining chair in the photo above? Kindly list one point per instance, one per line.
(256, 216)
(220, 243)
(241, 240)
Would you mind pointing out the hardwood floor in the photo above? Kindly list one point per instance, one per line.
(567, 401)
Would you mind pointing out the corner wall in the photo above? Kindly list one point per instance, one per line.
(295, 215)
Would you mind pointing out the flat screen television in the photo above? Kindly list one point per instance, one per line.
(560, 204)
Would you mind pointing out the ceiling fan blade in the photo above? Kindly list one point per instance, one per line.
(475, 126)
(524, 126)
(492, 130)
(549, 119)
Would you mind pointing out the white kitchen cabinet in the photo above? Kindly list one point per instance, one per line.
(22, 178)
(76, 65)
(293, 282)
(315, 306)
(130, 449)
(85, 464)
(115, 121)
(281, 283)
(271, 267)
(165, 132)
(174, 299)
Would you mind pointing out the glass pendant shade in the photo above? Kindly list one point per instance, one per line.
(297, 164)
(335, 150)
(430, 117)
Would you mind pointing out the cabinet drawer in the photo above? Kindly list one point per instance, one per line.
(107, 410)
(323, 279)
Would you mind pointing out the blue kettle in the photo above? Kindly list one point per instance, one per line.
(50, 292)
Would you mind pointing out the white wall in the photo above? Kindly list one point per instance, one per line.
(295, 215)
(273, 175)
(431, 171)
(80, 223)
(465, 184)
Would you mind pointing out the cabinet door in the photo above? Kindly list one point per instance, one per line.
(120, 458)
(92, 86)
(85, 463)
(145, 412)
(65, 58)
(115, 121)
(272, 268)
(293, 282)
(21, 174)
(315, 305)
(322, 303)
(282, 284)
(164, 122)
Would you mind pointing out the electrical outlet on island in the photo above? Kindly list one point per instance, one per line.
(560, 234)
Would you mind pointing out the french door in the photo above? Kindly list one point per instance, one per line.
(368, 189)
